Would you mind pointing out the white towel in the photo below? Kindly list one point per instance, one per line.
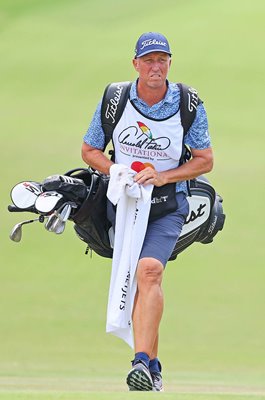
(133, 206)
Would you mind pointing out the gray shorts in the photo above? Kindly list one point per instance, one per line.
(163, 233)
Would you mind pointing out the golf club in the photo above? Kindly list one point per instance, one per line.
(46, 202)
(24, 194)
(16, 233)
(56, 221)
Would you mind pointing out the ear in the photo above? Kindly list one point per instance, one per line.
(135, 63)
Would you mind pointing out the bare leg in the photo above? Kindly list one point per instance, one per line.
(155, 349)
(148, 306)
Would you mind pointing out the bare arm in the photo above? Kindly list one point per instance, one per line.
(201, 162)
(96, 158)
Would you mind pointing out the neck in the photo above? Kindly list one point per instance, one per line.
(151, 95)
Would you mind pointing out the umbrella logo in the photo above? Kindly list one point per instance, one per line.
(145, 129)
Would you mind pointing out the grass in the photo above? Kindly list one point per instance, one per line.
(121, 396)
(56, 58)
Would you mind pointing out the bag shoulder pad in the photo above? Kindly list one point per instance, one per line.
(189, 101)
(113, 103)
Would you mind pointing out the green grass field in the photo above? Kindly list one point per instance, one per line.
(56, 58)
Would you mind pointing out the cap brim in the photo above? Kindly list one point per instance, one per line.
(153, 51)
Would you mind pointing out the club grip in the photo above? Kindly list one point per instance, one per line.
(12, 208)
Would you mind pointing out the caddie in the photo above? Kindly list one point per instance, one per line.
(149, 140)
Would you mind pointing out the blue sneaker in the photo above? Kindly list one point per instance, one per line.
(139, 377)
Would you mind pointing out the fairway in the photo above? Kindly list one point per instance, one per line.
(34, 388)
(56, 58)
(80, 389)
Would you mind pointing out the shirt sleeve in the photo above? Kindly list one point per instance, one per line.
(95, 135)
(198, 136)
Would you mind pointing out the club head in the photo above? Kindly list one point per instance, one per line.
(55, 225)
(65, 213)
(56, 222)
(47, 202)
(16, 233)
(50, 222)
(24, 194)
(62, 217)
(59, 227)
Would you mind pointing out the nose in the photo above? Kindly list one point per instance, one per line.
(155, 66)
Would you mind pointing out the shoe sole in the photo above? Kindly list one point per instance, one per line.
(138, 380)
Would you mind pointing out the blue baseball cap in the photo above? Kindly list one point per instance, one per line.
(150, 42)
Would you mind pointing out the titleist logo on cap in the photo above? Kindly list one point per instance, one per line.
(150, 42)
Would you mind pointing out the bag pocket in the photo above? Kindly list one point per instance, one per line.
(163, 201)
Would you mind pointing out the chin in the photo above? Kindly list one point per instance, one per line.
(157, 83)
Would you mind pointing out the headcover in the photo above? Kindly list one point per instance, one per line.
(72, 189)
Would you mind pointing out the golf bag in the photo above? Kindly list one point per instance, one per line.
(80, 196)
(205, 217)
(91, 223)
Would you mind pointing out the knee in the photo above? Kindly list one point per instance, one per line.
(149, 272)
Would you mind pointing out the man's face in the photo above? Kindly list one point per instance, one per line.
(153, 68)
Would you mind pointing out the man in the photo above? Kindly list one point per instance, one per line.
(153, 112)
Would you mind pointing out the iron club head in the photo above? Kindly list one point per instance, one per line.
(16, 233)
(56, 221)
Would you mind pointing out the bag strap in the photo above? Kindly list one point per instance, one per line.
(115, 98)
(189, 101)
(113, 103)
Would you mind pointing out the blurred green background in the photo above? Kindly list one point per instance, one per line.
(56, 57)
